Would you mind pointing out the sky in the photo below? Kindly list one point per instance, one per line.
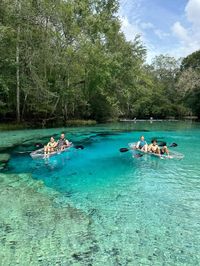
(166, 26)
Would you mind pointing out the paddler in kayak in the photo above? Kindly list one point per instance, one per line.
(153, 147)
(164, 149)
(62, 143)
(51, 146)
(142, 144)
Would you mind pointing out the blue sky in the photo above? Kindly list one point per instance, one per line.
(166, 26)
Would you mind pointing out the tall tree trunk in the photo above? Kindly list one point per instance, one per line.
(65, 112)
(17, 69)
(23, 108)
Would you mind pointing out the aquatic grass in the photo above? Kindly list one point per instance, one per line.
(39, 227)
(13, 126)
(80, 122)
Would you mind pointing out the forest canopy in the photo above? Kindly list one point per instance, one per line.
(62, 60)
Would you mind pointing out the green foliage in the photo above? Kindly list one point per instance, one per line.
(75, 63)
(13, 126)
(76, 122)
(189, 82)
(191, 61)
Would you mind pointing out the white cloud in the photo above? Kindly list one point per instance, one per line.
(183, 39)
(180, 32)
(147, 25)
(130, 9)
(192, 11)
(189, 37)
(138, 28)
(130, 30)
(161, 34)
(132, 25)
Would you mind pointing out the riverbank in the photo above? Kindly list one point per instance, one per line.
(168, 119)
(14, 126)
(27, 125)
(80, 122)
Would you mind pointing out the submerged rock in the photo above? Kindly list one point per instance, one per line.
(2, 166)
(4, 157)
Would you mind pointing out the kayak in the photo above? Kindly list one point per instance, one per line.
(39, 154)
(172, 154)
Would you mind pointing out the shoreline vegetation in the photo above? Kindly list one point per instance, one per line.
(55, 69)
(27, 125)
(80, 122)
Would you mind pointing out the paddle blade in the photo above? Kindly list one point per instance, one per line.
(162, 144)
(124, 150)
(79, 147)
(173, 145)
(38, 145)
(138, 155)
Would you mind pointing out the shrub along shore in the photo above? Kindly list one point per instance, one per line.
(81, 122)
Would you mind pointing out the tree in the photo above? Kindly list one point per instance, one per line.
(62, 60)
(191, 61)
(166, 69)
(189, 82)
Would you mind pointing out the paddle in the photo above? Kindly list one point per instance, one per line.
(137, 155)
(38, 145)
(124, 149)
(173, 145)
(79, 147)
(22, 152)
(161, 144)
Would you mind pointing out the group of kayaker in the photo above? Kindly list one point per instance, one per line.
(54, 145)
(141, 145)
(153, 147)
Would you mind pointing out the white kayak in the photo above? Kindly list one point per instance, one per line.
(172, 154)
(39, 154)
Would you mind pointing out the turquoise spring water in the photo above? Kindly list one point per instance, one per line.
(145, 211)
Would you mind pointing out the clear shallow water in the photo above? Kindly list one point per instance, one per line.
(144, 211)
